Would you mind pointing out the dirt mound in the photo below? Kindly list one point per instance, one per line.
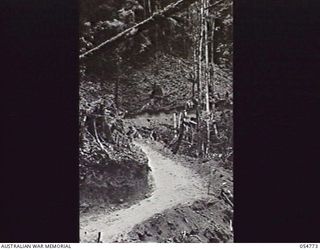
(120, 177)
(203, 221)
(112, 169)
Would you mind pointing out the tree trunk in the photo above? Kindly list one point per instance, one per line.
(213, 56)
(207, 74)
(206, 55)
(216, 130)
(145, 6)
(116, 92)
(200, 56)
(175, 124)
(195, 78)
(199, 104)
(157, 40)
(116, 86)
(177, 144)
(150, 7)
(179, 120)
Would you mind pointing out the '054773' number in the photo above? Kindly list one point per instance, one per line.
(308, 245)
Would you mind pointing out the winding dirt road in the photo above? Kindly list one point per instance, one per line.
(173, 184)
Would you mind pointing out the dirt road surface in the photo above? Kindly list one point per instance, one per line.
(173, 184)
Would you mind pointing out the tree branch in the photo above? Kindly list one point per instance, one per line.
(213, 5)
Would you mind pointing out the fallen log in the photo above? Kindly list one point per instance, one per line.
(154, 19)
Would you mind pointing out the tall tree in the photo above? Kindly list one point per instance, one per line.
(200, 78)
(207, 74)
